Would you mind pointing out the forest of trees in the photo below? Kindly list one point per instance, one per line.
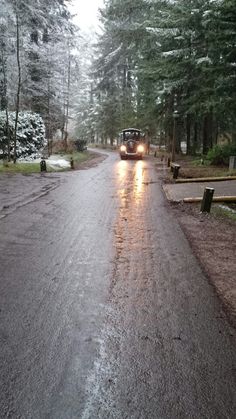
(37, 64)
(152, 61)
(156, 60)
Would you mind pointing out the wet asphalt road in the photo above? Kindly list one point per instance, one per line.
(104, 311)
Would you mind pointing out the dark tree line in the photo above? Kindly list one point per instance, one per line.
(159, 59)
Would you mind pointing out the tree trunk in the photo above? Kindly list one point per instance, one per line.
(6, 108)
(188, 134)
(207, 133)
(179, 129)
(234, 137)
(19, 83)
(8, 136)
(68, 97)
(210, 129)
(3, 82)
(195, 138)
(216, 132)
(48, 128)
(63, 121)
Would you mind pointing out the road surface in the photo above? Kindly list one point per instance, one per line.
(104, 310)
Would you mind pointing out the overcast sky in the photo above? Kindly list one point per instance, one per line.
(86, 12)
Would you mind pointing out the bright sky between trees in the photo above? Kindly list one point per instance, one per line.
(86, 12)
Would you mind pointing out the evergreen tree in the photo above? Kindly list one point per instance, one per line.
(163, 56)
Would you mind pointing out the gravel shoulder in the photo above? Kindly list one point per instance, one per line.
(213, 240)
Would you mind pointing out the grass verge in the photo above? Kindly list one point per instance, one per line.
(224, 211)
(20, 167)
(79, 157)
(27, 168)
(192, 168)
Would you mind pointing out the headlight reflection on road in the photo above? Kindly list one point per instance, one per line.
(126, 185)
(138, 187)
(122, 182)
(122, 170)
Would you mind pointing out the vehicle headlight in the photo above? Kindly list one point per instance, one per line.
(140, 148)
(122, 148)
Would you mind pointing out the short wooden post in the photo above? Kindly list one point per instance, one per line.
(207, 199)
(43, 165)
(176, 171)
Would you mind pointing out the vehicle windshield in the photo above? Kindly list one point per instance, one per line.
(127, 135)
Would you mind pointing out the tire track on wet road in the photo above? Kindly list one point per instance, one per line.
(165, 354)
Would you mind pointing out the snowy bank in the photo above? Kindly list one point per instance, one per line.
(54, 161)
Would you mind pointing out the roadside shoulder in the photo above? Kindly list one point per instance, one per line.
(213, 241)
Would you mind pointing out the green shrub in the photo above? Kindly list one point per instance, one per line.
(30, 136)
(219, 155)
(80, 145)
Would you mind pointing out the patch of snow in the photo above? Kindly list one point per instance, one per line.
(53, 161)
(173, 53)
(112, 54)
(195, 11)
(206, 13)
(204, 60)
(154, 30)
(57, 161)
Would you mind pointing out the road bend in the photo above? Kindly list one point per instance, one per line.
(104, 310)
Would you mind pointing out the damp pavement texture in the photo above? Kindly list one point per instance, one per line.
(17, 190)
(177, 192)
(104, 310)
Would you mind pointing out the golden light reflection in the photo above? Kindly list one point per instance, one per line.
(139, 177)
(122, 170)
(130, 177)
(122, 180)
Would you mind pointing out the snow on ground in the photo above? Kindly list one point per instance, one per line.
(55, 161)
(58, 161)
